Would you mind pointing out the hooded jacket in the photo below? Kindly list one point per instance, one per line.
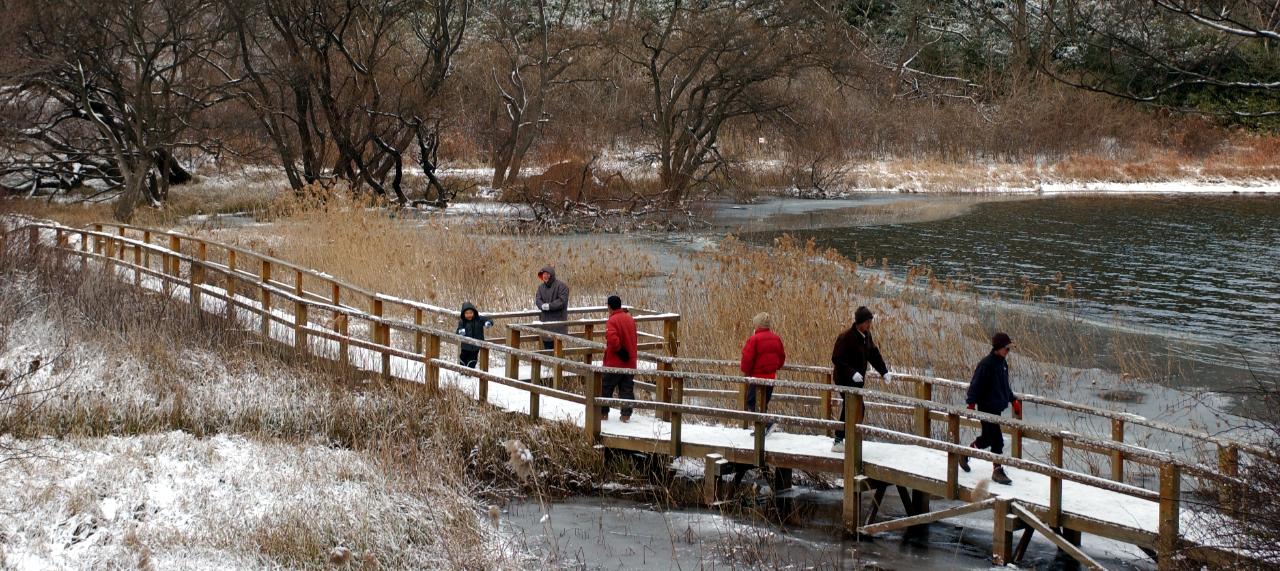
(989, 388)
(855, 350)
(620, 333)
(474, 327)
(763, 354)
(555, 294)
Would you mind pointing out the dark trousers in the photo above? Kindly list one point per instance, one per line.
(991, 436)
(625, 385)
(751, 397)
(843, 403)
(469, 357)
(548, 344)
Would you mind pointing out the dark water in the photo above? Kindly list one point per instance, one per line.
(1206, 269)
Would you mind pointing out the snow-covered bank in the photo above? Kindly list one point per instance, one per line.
(174, 501)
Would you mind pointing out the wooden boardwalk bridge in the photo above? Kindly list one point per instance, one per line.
(903, 435)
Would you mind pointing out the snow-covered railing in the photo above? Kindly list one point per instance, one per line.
(272, 299)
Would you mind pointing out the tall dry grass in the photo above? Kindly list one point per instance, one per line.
(139, 364)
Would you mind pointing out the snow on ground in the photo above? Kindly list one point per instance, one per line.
(181, 502)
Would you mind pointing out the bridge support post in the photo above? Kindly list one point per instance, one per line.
(853, 477)
(594, 382)
(513, 361)
(664, 390)
(230, 286)
(483, 394)
(433, 370)
(264, 297)
(711, 465)
(1228, 465)
(1117, 457)
(1170, 492)
(1002, 540)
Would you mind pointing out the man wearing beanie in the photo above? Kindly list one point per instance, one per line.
(989, 392)
(620, 351)
(854, 350)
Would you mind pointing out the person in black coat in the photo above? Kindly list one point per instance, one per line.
(989, 392)
(471, 324)
(853, 352)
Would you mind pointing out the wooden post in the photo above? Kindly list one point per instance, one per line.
(513, 362)
(676, 419)
(711, 478)
(758, 433)
(378, 337)
(417, 334)
(137, 263)
(231, 285)
(175, 245)
(265, 297)
(592, 390)
(1228, 465)
(828, 402)
(483, 363)
(953, 459)
(1055, 483)
(433, 370)
(197, 275)
(1117, 456)
(1015, 446)
(97, 240)
(535, 372)
(924, 391)
(589, 333)
(146, 256)
(671, 334)
(1170, 499)
(664, 390)
(558, 350)
(344, 346)
(299, 315)
(1002, 540)
(852, 462)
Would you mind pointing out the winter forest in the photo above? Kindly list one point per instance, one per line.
(381, 284)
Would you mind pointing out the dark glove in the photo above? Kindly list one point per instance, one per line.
(973, 406)
(624, 354)
(1017, 407)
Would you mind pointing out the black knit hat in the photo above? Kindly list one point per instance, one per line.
(615, 302)
(1000, 341)
(862, 315)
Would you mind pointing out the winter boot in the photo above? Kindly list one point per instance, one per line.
(626, 418)
(998, 476)
(838, 446)
(964, 460)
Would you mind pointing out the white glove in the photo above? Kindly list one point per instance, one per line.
(488, 324)
(857, 378)
(546, 307)
(888, 377)
(462, 331)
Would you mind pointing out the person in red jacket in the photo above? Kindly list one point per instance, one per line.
(762, 356)
(620, 351)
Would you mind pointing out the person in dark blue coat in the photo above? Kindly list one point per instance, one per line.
(989, 392)
(471, 324)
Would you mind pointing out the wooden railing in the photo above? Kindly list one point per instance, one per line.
(286, 295)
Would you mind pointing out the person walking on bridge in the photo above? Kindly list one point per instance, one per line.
(552, 299)
(621, 350)
(762, 356)
(989, 392)
(471, 324)
(854, 351)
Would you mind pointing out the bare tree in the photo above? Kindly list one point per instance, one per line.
(345, 89)
(110, 90)
(1190, 55)
(709, 63)
(538, 41)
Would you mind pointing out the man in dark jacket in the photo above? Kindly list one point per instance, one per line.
(471, 324)
(855, 350)
(552, 299)
(621, 349)
(989, 392)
